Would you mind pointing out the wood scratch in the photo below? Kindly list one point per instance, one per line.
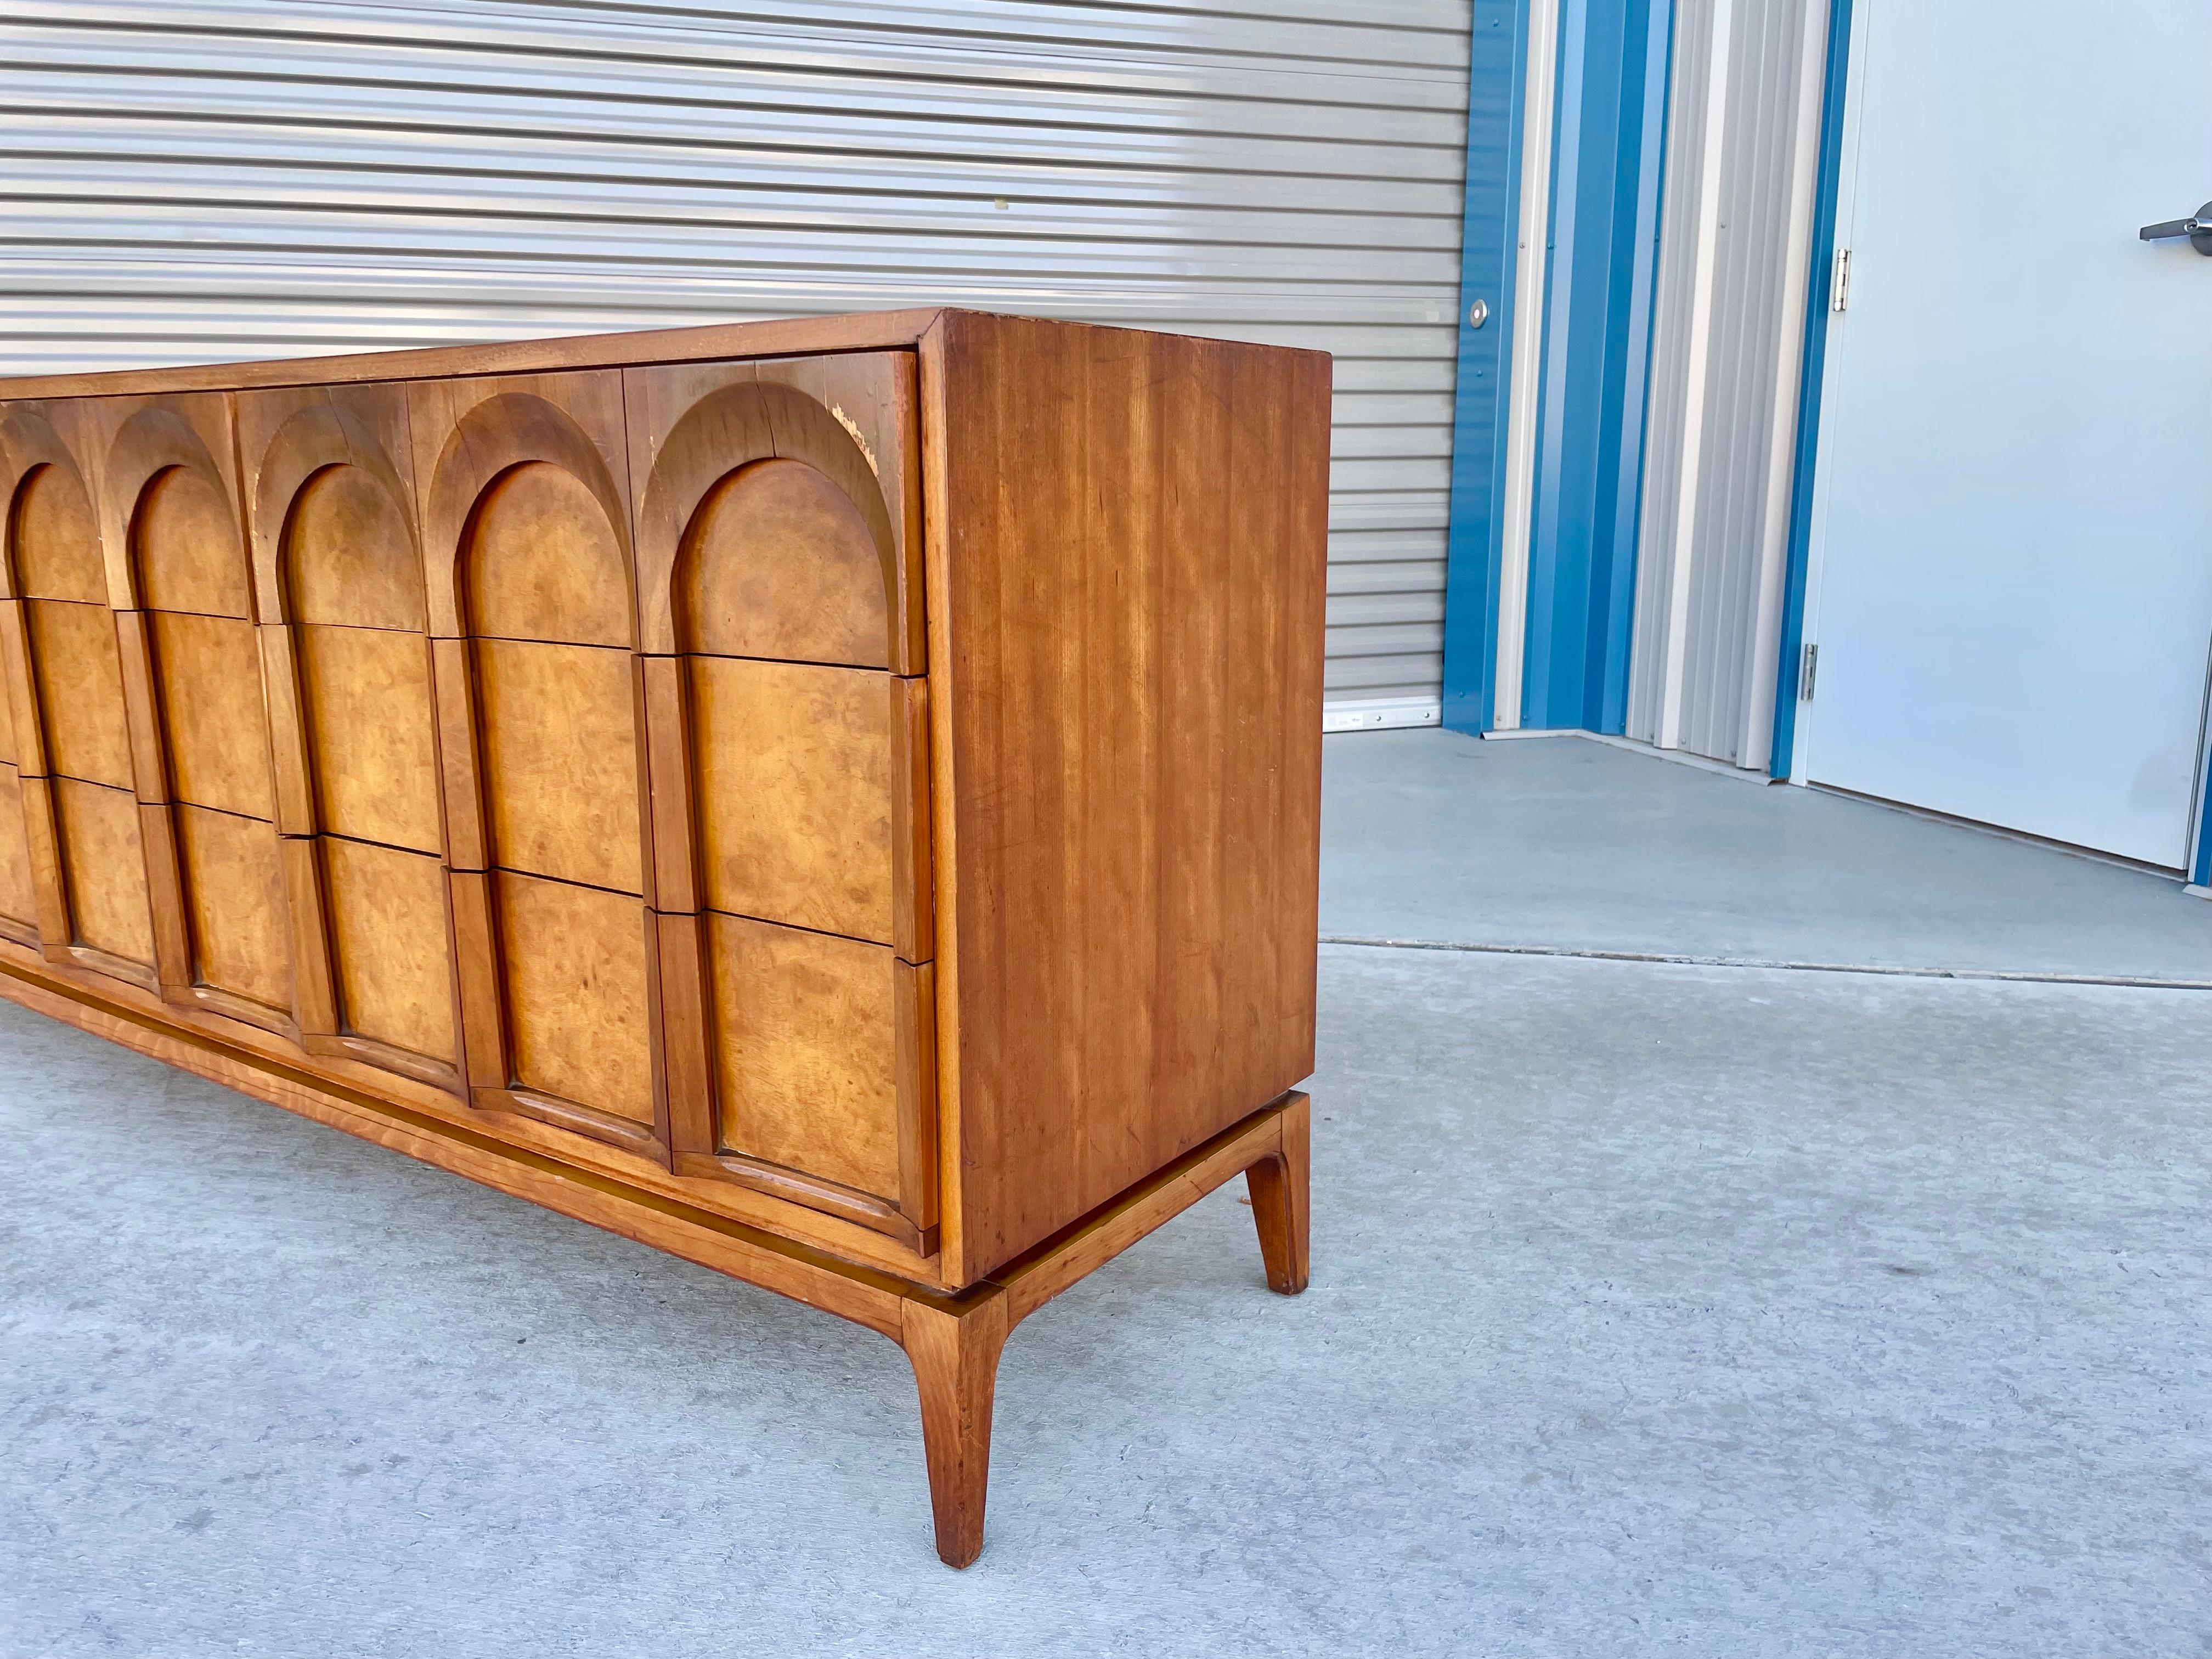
(852, 430)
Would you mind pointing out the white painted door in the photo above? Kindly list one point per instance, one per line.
(2015, 566)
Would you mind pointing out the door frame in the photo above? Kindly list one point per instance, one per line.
(1834, 196)
(1492, 266)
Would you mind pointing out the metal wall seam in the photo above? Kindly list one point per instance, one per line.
(237, 178)
(1710, 592)
(1665, 439)
(1791, 303)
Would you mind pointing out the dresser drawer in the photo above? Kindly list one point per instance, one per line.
(803, 1065)
(793, 792)
(778, 505)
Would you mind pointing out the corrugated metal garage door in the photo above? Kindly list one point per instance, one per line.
(196, 182)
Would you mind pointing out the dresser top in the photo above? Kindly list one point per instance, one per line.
(803, 336)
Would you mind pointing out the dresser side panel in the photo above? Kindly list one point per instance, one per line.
(1128, 595)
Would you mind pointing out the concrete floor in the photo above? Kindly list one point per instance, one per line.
(1712, 1309)
(1563, 842)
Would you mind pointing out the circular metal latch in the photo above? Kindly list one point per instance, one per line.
(1478, 313)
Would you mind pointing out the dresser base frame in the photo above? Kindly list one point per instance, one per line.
(953, 1341)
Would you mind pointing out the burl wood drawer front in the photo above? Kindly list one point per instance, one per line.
(804, 776)
(79, 681)
(180, 581)
(577, 966)
(165, 708)
(390, 958)
(102, 873)
(560, 755)
(803, 1065)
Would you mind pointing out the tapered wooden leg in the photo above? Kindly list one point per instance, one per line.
(956, 1365)
(1278, 1185)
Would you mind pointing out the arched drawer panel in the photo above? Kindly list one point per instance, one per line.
(76, 878)
(55, 550)
(777, 561)
(169, 497)
(780, 610)
(533, 607)
(782, 548)
(339, 588)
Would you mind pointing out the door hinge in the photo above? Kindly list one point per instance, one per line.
(1808, 672)
(1839, 286)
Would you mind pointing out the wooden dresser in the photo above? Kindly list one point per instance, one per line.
(835, 800)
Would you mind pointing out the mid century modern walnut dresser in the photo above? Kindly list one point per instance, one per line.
(836, 801)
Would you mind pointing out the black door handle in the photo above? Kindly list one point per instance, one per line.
(2197, 229)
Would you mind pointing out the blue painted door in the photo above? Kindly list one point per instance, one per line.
(2013, 595)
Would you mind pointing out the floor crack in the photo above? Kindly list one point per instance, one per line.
(2125, 982)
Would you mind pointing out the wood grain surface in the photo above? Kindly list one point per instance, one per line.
(234, 889)
(19, 894)
(55, 546)
(208, 680)
(372, 734)
(68, 717)
(388, 940)
(1127, 597)
(766, 493)
(104, 870)
(794, 793)
(79, 679)
(349, 558)
(573, 971)
(805, 1052)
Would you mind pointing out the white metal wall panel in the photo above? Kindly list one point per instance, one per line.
(1727, 334)
(188, 182)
